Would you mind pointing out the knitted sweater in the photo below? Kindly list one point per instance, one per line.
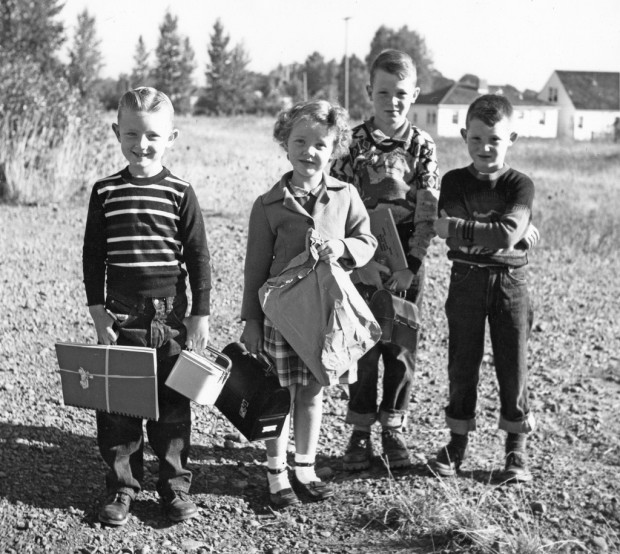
(398, 172)
(140, 232)
(492, 214)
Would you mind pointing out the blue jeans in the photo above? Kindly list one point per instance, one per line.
(500, 295)
(155, 323)
(399, 368)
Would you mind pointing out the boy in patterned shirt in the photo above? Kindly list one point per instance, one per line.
(393, 165)
(486, 211)
(144, 234)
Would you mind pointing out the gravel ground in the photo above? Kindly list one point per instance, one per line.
(51, 475)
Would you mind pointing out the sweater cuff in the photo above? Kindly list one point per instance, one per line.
(413, 263)
(201, 302)
(462, 229)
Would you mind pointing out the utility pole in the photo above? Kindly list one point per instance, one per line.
(346, 62)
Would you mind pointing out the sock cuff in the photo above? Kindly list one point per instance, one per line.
(306, 459)
(276, 462)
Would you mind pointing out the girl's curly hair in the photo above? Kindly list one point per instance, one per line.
(334, 117)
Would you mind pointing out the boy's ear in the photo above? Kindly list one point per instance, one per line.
(116, 131)
(174, 135)
(415, 94)
(464, 134)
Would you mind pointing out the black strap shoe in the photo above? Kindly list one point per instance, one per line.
(178, 506)
(115, 511)
(314, 490)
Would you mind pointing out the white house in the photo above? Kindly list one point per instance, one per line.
(589, 102)
(442, 112)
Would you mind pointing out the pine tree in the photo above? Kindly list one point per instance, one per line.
(141, 72)
(218, 71)
(30, 30)
(174, 64)
(85, 55)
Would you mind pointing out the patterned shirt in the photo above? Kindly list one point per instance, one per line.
(493, 215)
(398, 172)
(141, 232)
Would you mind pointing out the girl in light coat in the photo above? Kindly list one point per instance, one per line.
(312, 134)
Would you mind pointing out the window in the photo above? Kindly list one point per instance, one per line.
(455, 117)
(521, 114)
(431, 118)
(415, 118)
(553, 94)
(543, 118)
(580, 122)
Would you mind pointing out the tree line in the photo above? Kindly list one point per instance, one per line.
(31, 38)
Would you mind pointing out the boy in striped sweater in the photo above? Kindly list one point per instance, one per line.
(144, 234)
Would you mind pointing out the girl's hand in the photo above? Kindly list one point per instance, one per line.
(252, 336)
(331, 250)
(197, 331)
(373, 273)
(104, 324)
(399, 281)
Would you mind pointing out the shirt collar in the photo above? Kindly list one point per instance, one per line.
(401, 136)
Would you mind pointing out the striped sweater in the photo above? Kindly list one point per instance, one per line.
(143, 237)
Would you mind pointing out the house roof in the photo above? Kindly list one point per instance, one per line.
(592, 90)
(463, 93)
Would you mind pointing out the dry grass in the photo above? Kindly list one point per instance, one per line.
(450, 517)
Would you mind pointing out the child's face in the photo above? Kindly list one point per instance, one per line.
(486, 145)
(391, 99)
(144, 137)
(309, 148)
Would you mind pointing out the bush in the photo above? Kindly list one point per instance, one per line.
(52, 141)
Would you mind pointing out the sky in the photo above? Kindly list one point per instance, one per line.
(517, 42)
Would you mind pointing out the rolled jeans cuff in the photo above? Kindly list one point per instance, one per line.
(132, 493)
(391, 419)
(527, 425)
(355, 418)
(460, 426)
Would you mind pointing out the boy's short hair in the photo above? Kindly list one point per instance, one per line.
(395, 62)
(332, 116)
(490, 109)
(145, 99)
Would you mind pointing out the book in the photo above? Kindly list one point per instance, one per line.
(389, 251)
(109, 378)
(200, 378)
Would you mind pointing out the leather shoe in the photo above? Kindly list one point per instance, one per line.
(115, 511)
(315, 490)
(283, 499)
(178, 506)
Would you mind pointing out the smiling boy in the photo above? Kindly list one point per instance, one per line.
(144, 234)
(393, 165)
(486, 211)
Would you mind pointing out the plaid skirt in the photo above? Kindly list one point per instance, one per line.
(289, 366)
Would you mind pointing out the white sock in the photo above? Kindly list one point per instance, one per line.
(305, 474)
(277, 481)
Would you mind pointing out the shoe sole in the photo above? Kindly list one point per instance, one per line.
(445, 471)
(183, 518)
(398, 464)
(114, 522)
(511, 477)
